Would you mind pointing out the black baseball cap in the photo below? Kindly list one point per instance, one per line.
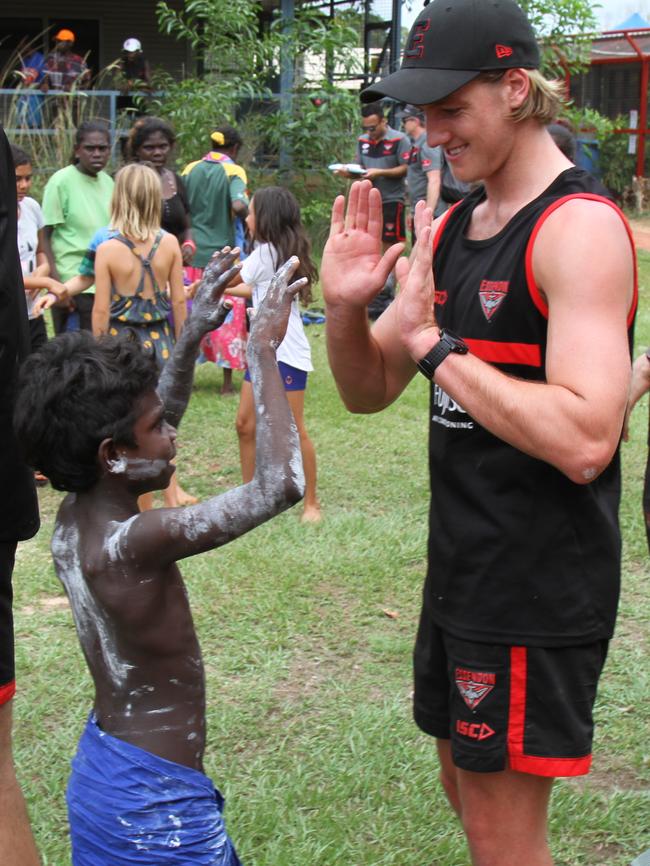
(452, 42)
(411, 111)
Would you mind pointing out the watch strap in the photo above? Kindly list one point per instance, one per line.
(447, 343)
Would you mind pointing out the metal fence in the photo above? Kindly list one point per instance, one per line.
(44, 123)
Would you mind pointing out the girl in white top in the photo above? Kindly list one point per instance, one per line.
(275, 226)
(32, 250)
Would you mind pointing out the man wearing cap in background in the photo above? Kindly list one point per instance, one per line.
(423, 175)
(525, 337)
(133, 74)
(384, 152)
(134, 67)
(63, 69)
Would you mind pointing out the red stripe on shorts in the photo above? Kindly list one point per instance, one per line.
(518, 760)
(7, 692)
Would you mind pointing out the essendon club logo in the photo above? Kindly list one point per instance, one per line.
(503, 51)
(415, 48)
(474, 686)
(492, 294)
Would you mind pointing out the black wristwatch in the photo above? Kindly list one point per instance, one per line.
(447, 343)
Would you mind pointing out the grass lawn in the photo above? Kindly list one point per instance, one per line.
(308, 680)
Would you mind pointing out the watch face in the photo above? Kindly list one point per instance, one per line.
(455, 343)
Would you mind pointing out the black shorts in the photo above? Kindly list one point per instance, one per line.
(394, 230)
(526, 708)
(7, 681)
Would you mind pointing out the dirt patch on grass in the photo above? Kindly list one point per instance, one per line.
(53, 602)
(641, 232)
(608, 778)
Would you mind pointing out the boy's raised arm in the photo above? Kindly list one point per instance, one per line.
(208, 312)
(278, 483)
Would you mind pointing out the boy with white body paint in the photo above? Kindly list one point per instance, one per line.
(137, 788)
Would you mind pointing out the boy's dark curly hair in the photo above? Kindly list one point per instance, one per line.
(73, 393)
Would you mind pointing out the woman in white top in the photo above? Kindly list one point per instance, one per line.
(274, 224)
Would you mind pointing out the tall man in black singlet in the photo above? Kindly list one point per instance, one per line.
(525, 337)
(18, 510)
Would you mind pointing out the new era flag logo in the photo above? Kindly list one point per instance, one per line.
(503, 51)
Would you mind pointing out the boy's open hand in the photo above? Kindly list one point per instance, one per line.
(208, 307)
(269, 325)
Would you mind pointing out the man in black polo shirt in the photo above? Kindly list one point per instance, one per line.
(518, 307)
(384, 153)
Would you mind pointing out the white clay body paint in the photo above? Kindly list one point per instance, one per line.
(90, 620)
(117, 467)
(117, 542)
(139, 468)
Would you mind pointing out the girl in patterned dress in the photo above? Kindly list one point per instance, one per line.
(139, 277)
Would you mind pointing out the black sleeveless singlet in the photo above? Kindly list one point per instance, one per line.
(518, 553)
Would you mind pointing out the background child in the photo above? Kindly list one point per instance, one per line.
(132, 272)
(90, 417)
(32, 246)
(274, 224)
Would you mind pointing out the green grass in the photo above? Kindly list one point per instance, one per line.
(310, 731)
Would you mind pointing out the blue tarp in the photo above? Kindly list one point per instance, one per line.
(634, 22)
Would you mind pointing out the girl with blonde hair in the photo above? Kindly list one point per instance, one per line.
(139, 278)
(133, 268)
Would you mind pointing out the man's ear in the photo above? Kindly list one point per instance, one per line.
(110, 459)
(517, 85)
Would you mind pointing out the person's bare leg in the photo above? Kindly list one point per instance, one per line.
(505, 817)
(227, 387)
(145, 502)
(449, 775)
(174, 495)
(311, 509)
(16, 840)
(245, 424)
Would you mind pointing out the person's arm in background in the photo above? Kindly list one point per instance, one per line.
(639, 386)
(47, 232)
(188, 247)
(432, 167)
(397, 171)
(53, 216)
(176, 290)
(238, 197)
(102, 302)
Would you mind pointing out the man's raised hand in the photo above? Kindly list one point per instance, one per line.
(353, 269)
(415, 303)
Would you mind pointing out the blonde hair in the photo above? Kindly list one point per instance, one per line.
(544, 100)
(136, 205)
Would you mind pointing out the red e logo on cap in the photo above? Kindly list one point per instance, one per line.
(416, 45)
(503, 51)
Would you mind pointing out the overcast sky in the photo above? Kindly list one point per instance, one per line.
(610, 13)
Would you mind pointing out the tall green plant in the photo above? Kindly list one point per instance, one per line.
(566, 28)
(617, 166)
(243, 50)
